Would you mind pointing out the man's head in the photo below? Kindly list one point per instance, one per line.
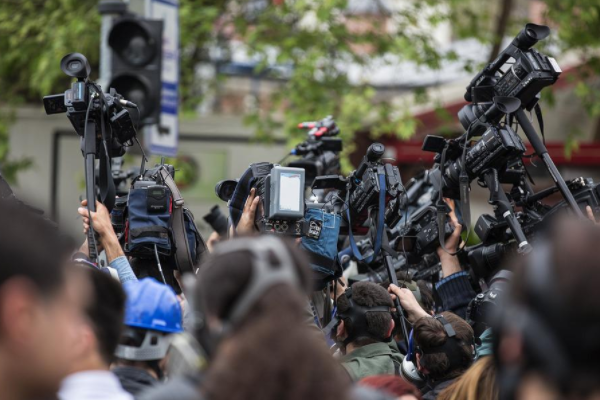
(100, 335)
(40, 304)
(548, 334)
(444, 346)
(364, 313)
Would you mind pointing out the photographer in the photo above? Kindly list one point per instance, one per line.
(548, 332)
(454, 289)
(152, 315)
(365, 330)
(96, 342)
(41, 304)
(107, 239)
(444, 350)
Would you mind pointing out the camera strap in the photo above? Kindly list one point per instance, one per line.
(183, 257)
(380, 221)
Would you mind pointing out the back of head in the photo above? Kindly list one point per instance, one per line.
(271, 351)
(366, 295)
(105, 312)
(31, 247)
(444, 357)
(552, 317)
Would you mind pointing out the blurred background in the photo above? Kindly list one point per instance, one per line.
(223, 83)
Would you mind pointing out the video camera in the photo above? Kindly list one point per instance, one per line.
(104, 125)
(523, 79)
(86, 105)
(374, 185)
(320, 152)
(282, 205)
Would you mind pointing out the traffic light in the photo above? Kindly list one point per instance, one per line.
(136, 45)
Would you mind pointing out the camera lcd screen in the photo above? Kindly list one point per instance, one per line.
(290, 191)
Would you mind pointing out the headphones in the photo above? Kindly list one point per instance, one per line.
(451, 347)
(265, 275)
(358, 315)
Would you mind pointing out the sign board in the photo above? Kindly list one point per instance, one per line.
(163, 139)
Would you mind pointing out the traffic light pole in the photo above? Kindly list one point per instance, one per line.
(108, 9)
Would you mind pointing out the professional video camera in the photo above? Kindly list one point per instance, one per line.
(374, 185)
(527, 72)
(486, 258)
(281, 190)
(87, 107)
(320, 152)
(104, 125)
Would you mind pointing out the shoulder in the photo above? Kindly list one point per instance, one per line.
(180, 388)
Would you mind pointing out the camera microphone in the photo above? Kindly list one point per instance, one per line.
(127, 103)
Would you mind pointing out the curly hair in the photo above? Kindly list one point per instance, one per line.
(368, 294)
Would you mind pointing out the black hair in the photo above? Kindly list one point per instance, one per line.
(368, 294)
(106, 312)
(31, 247)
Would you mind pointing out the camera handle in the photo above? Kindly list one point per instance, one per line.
(89, 152)
(541, 150)
(503, 208)
(389, 266)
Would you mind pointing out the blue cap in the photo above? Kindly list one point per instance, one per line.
(152, 305)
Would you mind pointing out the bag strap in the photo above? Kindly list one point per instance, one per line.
(380, 223)
(183, 258)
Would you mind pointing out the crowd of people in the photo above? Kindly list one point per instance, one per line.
(245, 327)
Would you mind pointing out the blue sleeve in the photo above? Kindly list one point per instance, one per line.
(123, 269)
(456, 292)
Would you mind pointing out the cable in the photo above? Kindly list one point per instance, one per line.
(159, 266)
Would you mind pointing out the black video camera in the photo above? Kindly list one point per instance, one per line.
(366, 188)
(85, 102)
(523, 79)
(495, 149)
(320, 153)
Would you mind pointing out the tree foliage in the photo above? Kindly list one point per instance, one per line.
(316, 40)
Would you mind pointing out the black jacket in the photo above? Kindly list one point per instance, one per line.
(134, 380)
(436, 389)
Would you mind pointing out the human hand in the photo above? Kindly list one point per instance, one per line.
(408, 301)
(590, 214)
(246, 225)
(212, 240)
(450, 263)
(100, 218)
(103, 226)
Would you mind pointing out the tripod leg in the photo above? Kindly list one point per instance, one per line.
(542, 152)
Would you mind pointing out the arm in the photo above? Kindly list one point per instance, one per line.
(108, 240)
(454, 289)
(408, 302)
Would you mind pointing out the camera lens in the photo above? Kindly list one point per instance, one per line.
(74, 65)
